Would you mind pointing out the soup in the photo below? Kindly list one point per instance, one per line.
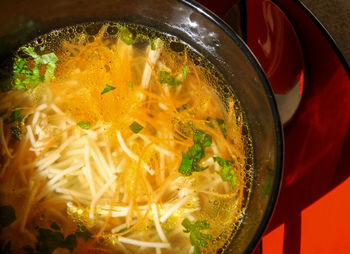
(116, 138)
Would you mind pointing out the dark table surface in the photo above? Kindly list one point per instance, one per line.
(335, 17)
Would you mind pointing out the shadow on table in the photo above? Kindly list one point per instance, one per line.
(317, 140)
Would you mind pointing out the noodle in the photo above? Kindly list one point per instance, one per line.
(127, 147)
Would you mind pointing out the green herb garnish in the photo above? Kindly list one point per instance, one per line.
(219, 122)
(7, 215)
(197, 238)
(84, 125)
(16, 116)
(166, 78)
(131, 86)
(152, 44)
(210, 124)
(49, 60)
(16, 132)
(195, 153)
(25, 75)
(184, 71)
(227, 173)
(126, 36)
(222, 126)
(135, 127)
(107, 89)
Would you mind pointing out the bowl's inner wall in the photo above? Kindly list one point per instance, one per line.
(24, 20)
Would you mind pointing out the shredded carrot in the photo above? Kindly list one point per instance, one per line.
(96, 164)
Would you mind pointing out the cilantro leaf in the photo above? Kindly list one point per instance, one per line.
(186, 166)
(131, 86)
(184, 71)
(16, 132)
(209, 122)
(84, 125)
(126, 36)
(135, 127)
(7, 215)
(202, 138)
(107, 89)
(197, 238)
(16, 116)
(152, 44)
(219, 123)
(30, 51)
(166, 78)
(222, 126)
(50, 60)
(24, 75)
(195, 153)
(227, 173)
(20, 68)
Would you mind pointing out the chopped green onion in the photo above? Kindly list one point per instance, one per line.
(190, 159)
(84, 125)
(222, 126)
(227, 173)
(24, 75)
(153, 45)
(166, 78)
(184, 71)
(126, 36)
(135, 127)
(107, 89)
(16, 116)
(131, 86)
(197, 238)
(16, 132)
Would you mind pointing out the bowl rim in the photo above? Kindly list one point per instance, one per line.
(273, 106)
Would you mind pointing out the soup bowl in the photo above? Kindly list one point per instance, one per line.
(22, 21)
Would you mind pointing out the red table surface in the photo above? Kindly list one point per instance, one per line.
(312, 214)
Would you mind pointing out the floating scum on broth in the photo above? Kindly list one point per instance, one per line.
(116, 138)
